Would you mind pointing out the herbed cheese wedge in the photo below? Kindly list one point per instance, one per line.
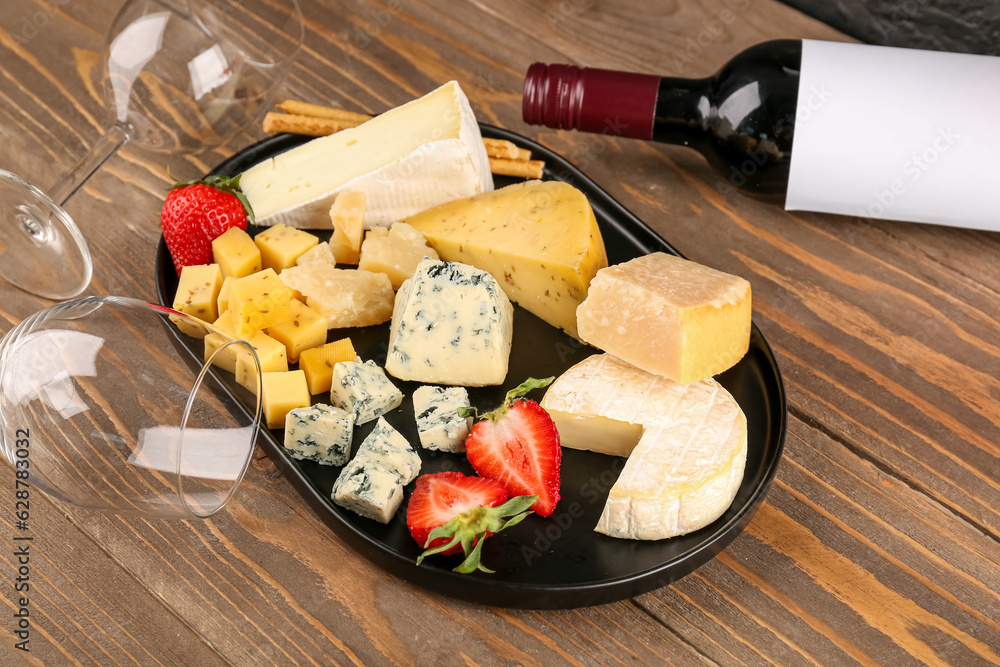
(668, 316)
(452, 324)
(198, 291)
(406, 160)
(687, 444)
(346, 297)
(540, 240)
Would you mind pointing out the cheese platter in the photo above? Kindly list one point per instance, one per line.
(556, 561)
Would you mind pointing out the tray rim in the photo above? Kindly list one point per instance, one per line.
(500, 592)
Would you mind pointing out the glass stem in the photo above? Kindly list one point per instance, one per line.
(73, 179)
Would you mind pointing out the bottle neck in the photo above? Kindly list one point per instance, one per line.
(683, 111)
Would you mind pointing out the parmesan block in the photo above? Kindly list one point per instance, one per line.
(347, 215)
(668, 316)
(406, 160)
(686, 444)
(394, 252)
(540, 240)
(347, 298)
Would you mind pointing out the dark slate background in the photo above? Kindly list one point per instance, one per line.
(964, 26)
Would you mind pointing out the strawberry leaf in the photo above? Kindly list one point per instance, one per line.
(514, 395)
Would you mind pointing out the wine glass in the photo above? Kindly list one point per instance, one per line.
(103, 406)
(180, 76)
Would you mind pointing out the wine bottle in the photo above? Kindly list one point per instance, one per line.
(877, 132)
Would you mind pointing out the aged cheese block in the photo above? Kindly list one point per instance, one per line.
(540, 240)
(668, 316)
(346, 297)
(686, 444)
(406, 160)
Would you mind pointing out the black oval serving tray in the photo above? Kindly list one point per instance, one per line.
(556, 561)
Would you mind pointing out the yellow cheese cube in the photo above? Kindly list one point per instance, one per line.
(270, 355)
(226, 359)
(283, 392)
(317, 363)
(281, 245)
(668, 316)
(395, 252)
(235, 253)
(348, 217)
(259, 301)
(223, 300)
(540, 240)
(306, 329)
(225, 323)
(198, 291)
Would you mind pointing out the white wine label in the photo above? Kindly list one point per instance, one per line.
(897, 134)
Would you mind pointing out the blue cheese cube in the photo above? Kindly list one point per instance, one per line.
(387, 448)
(320, 433)
(438, 423)
(368, 490)
(451, 324)
(364, 390)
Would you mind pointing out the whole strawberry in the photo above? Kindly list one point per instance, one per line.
(196, 212)
(518, 445)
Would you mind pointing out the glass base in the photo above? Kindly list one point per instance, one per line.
(41, 250)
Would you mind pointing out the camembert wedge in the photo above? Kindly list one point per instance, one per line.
(686, 444)
(406, 160)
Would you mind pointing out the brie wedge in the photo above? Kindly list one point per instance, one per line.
(409, 159)
(684, 469)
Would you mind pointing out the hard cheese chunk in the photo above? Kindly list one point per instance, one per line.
(347, 298)
(320, 433)
(540, 240)
(259, 301)
(281, 245)
(318, 253)
(347, 215)
(452, 324)
(235, 253)
(394, 252)
(438, 424)
(408, 159)
(364, 390)
(687, 444)
(386, 448)
(668, 316)
(368, 490)
(198, 291)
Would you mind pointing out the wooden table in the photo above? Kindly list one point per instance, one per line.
(878, 542)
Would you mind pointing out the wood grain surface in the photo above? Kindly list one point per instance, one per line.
(878, 543)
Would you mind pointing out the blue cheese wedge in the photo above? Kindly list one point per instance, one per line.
(368, 490)
(451, 324)
(438, 424)
(363, 390)
(320, 433)
(387, 448)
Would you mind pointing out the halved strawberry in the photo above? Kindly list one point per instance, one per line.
(518, 445)
(450, 512)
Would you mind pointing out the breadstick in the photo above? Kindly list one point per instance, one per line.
(316, 111)
(516, 168)
(308, 125)
(500, 148)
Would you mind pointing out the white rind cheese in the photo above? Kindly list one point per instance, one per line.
(320, 433)
(438, 424)
(686, 467)
(406, 160)
(363, 390)
(451, 324)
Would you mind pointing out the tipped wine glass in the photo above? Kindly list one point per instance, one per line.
(180, 76)
(103, 406)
